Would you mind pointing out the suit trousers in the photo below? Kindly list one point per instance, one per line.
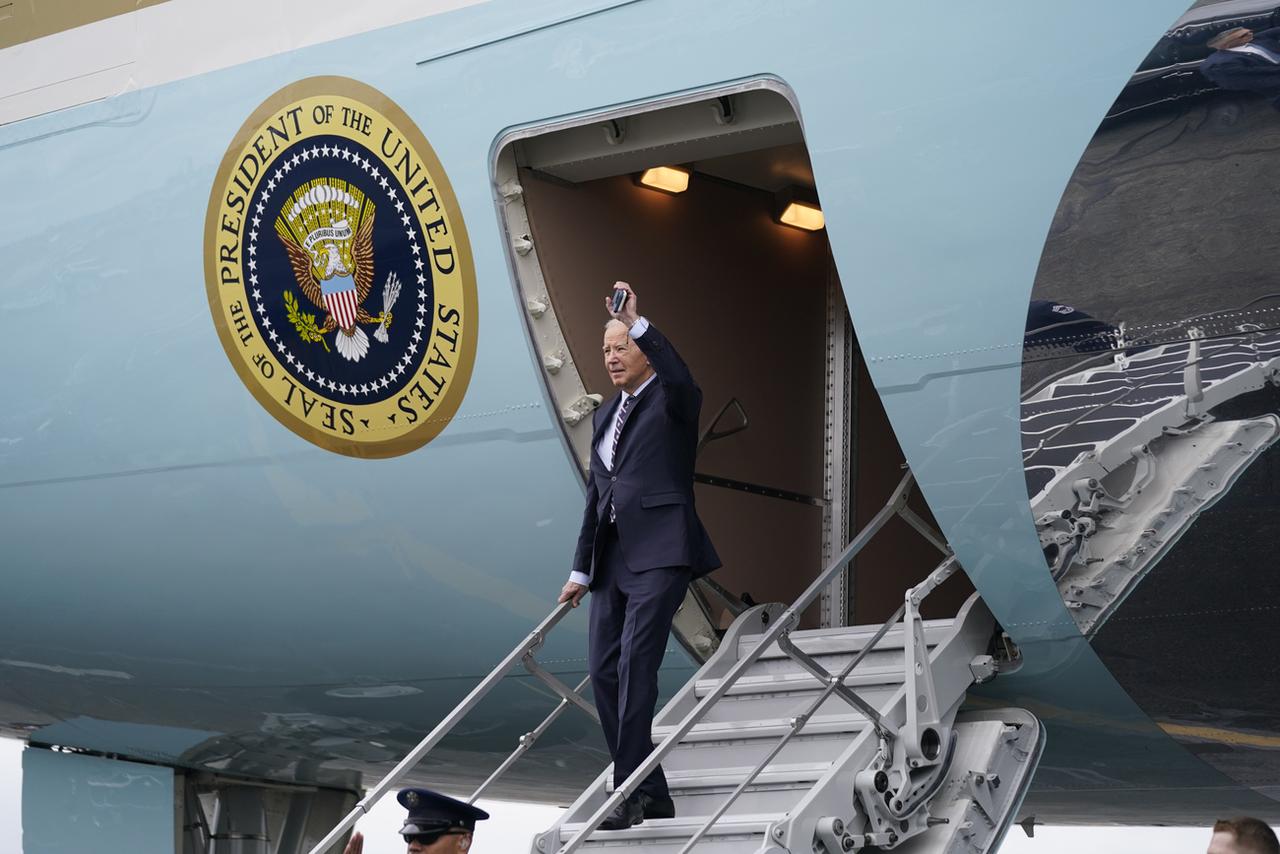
(631, 614)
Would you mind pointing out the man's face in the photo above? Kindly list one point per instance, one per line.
(451, 844)
(626, 364)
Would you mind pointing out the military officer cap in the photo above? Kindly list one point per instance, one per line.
(431, 812)
(1058, 325)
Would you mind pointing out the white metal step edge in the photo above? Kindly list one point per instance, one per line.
(845, 641)
(776, 683)
(865, 630)
(799, 773)
(764, 728)
(679, 827)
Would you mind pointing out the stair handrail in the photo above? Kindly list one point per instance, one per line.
(832, 684)
(525, 743)
(521, 654)
(784, 624)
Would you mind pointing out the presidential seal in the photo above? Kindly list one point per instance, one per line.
(338, 270)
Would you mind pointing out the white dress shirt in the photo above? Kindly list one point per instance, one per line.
(605, 446)
(1257, 50)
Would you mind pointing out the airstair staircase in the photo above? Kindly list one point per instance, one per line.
(831, 740)
(784, 761)
(791, 741)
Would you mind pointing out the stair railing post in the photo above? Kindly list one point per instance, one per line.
(525, 743)
(565, 692)
(825, 676)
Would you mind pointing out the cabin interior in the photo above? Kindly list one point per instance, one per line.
(806, 455)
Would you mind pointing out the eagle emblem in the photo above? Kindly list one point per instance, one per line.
(307, 223)
(326, 227)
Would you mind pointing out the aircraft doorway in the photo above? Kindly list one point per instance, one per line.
(754, 306)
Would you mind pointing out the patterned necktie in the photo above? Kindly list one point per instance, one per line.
(617, 434)
(617, 426)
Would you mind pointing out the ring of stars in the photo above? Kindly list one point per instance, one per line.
(371, 169)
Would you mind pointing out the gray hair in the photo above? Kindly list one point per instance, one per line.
(611, 321)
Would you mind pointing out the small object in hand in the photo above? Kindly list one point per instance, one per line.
(619, 299)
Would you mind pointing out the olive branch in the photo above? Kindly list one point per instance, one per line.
(304, 323)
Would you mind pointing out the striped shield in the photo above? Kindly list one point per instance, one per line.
(340, 299)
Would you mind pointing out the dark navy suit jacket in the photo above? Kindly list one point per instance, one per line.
(1234, 70)
(651, 483)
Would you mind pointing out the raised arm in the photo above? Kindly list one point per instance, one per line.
(684, 398)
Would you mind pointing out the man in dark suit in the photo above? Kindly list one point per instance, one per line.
(1245, 60)
(641, 541)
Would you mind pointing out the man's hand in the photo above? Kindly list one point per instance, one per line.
(630, 311)
(356, 845)
(572, 592)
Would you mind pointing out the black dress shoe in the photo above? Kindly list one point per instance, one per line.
(657, 807)
(627, 813)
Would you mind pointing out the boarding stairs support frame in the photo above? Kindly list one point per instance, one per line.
(909, 774)
(522, 654)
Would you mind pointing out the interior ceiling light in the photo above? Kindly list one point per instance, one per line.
(669, 179)
(803, 215)
(799, 208)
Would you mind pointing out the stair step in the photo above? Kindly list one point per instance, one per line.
(781, 704)
(662, 834)
(865, 630)
(780, 683)
(764, 728)
(846, 640)
(738, 751)
(804, 773)
(703, 790)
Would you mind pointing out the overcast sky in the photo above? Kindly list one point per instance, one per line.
(511, 829)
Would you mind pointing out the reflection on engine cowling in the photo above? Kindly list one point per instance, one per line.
(1152, 351)
(1122, 457)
